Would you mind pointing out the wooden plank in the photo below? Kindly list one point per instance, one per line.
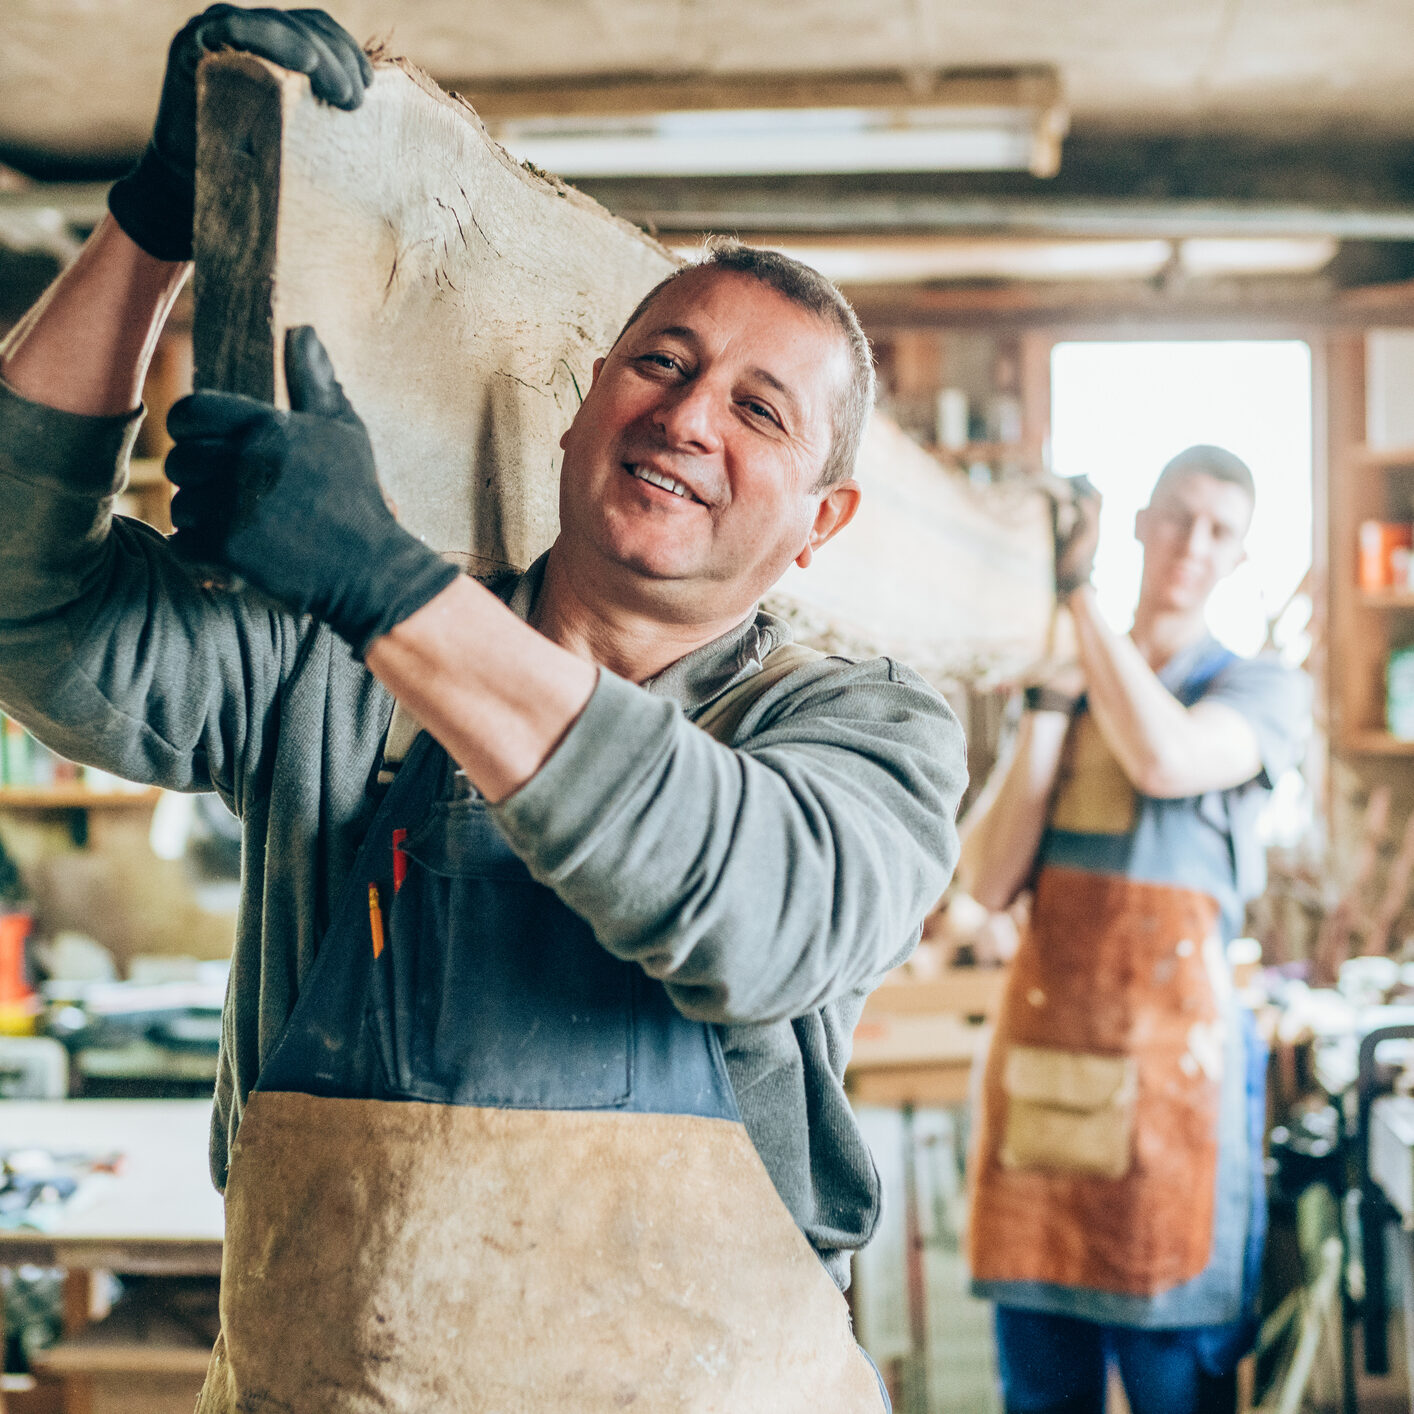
(463, 299)
(953, 579)
(75, 797)
(920, 1086)
(890, 1042)
(1037, 89)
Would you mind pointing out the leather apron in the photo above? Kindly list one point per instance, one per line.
(489, 1167)
(1095, 1163)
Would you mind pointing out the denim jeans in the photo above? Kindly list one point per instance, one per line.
(1057, 1365)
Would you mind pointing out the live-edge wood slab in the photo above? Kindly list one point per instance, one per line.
(464, 297)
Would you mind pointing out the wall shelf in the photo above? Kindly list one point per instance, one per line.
(77, 797)
(1386, 598)
(980, 451)
(1384, 458)
(1375, 743)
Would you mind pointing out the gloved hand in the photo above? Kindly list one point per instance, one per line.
(1077, 532)
(154, 203)
(290, 502)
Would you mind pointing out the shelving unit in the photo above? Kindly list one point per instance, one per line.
(1365, 483)
(1375, 743)
(75, 797)
(1004, 454)
(1004, 377)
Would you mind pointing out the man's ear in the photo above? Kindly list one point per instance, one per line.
(835, 511)
(593, 379)
(1141, 517)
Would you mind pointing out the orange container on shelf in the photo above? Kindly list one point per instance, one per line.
(1379, 540)
(18, 1003)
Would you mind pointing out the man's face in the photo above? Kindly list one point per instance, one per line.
(1192, 534)
(690, 470)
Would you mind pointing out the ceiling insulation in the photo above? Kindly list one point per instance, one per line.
(79, 78)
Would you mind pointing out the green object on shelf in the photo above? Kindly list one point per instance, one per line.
(1399, 694)
(16, 754)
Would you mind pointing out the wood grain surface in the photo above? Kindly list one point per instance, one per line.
(463, 298)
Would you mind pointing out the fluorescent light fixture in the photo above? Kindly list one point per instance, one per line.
(914, 259)
(1254, 255)
(709, 127)
(773, 141)
(909, 260)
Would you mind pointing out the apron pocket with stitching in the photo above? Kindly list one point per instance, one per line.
(491, 991)
(1068, 1111)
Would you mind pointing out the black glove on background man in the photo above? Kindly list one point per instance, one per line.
(155, 202)
(290, 502)
(1077, 532)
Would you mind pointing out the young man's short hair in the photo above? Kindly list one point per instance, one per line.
(1207, 460)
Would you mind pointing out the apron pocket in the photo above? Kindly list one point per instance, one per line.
(1068, 1111)
(490, 991)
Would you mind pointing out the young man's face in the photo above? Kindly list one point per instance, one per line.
(691, 469)
(1192, 534)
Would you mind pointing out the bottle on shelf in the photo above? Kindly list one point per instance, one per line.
(1382, 558)
(18, 1003)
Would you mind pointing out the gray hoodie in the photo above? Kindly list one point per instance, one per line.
(768, 883)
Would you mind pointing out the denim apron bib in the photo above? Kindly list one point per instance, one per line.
(489, 1167)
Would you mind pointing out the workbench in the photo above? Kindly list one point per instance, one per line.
(157, 1217)
(917, 1042)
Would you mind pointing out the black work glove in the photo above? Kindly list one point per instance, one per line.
(1077, 532)
(154, 203)
(290, 502)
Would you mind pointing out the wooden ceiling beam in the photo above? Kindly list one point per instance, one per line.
(690, 209)
(1036, 89)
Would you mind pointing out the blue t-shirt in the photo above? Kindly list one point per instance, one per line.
(1099, 822)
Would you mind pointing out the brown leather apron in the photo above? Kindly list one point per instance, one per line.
(490, 1168)
(1095, 1161)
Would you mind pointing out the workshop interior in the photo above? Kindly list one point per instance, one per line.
(707, 706)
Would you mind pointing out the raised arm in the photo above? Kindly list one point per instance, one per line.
(84, 348)
(108, 649)
(1167, 750)
(1003, 830)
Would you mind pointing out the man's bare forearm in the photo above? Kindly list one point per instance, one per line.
(1003, 830)
(1167, 750)
(497, 694)
(86, 344)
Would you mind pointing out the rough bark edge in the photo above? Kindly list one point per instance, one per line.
(545, 183)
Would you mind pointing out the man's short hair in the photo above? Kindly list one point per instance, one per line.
(808, 288)
(1206, 460)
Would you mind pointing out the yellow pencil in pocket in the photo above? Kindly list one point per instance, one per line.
(375, 919)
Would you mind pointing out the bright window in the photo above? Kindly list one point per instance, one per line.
(1119, 411)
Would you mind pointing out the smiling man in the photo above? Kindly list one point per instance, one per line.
(1118, 1192)
(530, 1092)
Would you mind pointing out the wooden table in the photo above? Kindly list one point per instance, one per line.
(917, 1042)
(159, 1216)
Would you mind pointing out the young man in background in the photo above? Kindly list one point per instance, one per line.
(1117, 1191)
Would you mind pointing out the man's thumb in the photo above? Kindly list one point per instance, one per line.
(309, 376)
